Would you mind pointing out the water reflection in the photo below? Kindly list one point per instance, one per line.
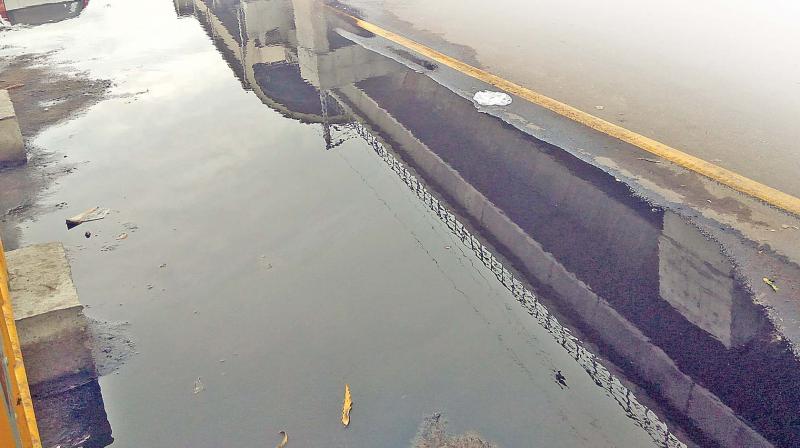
(64, 386)
(37, 12)
(655, 295)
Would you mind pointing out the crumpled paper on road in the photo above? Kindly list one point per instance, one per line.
(489, 98)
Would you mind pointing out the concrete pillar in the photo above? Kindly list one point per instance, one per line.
(50, 320)
(327, 60)
(697, 280)
(12, 147)
(184, 8)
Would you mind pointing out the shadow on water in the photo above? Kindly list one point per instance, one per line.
(656, 296)
(67, 399)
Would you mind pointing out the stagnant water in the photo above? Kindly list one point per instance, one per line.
(295, 258)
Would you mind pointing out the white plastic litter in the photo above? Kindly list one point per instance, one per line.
(489, 98)
(93, 214)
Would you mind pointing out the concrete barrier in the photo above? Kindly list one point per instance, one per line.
(50, 319)
(12, 146)
(18, 428)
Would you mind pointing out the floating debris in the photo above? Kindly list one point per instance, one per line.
(561, 379)
(649, 160)
(489, 98)
(284, 441)
(771, 284)
(88, 234)
(122, 236)
(93, 214)
(130, 227)
(198, 386)
(599, 107)
(348, 404)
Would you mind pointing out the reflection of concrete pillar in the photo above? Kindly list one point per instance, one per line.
(184, 8)
(268, 31)
(12, 148)
(72, 415)
(697, 280)
(328, 60)
(268, 21)
(311, 26)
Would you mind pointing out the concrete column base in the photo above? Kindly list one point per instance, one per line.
(12, 146)
(50, 322)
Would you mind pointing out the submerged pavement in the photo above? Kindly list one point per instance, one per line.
(266, 249)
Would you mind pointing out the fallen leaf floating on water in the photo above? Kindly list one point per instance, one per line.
(122, 236)
(348, 404)
(771, 284)
(198, 386)
(284, 441)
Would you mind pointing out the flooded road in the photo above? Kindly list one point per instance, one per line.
(304, 206)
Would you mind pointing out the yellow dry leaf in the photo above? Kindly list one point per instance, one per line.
(348, 404)
(771, 284)
(284, 441)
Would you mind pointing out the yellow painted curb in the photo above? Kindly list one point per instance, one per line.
(726, 177)
(27, 430)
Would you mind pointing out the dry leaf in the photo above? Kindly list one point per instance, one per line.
(284, 441)
(771, 284)
(348, 404)
(122, 236)
(198, 386)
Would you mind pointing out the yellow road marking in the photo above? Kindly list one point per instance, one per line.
(733, 180)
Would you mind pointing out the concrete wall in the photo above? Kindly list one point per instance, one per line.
(713, 418)
(696, 278)
(12, 146)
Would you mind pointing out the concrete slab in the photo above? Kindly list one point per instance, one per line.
(12, 146)
(50, 321)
